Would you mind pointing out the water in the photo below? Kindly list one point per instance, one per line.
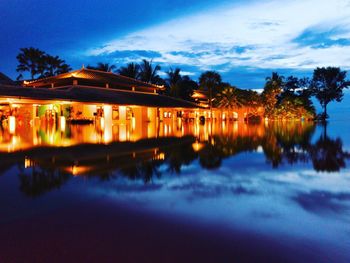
(276, 192)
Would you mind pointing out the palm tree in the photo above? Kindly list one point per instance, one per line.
(173, 81)
(131, 70)
(228, 98)
(210, 81)
(148, 73)
(272, 89)
(103, 67)
(29, 59)
(52, 66)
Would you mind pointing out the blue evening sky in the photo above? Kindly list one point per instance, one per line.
(243, 40)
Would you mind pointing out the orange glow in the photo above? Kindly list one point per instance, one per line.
(197, 146)
(12, 124)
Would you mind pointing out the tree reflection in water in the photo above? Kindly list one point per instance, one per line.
(281, 143)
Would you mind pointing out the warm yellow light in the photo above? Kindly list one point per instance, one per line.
(78, 170)
(27, 162)
(12, 124)
(102, 123)
(63, 123)
(122, 133)
(107, 111)
(197, 146)
(133, 123)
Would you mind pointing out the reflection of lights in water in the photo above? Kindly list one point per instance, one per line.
(122, 133)
(62, 123)
(260, 149)
(28, 162)
(235, 127)
(197, 146)
(12, 124)
(196, 129)
(78, 170)
(160, 156)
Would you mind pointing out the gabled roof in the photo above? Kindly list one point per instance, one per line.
(95, 95)
(6, 80)
(93, 77)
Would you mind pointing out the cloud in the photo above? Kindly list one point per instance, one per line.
(323, 201)
(269, 34)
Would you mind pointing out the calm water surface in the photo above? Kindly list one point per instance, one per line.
(277, 192)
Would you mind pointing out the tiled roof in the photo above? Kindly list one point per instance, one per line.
(95, 76)
(95, 95)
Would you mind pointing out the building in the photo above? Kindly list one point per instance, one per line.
(120, 108)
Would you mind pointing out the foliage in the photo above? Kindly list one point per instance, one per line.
(273, 88)
(103, 67)
(149, 73)
(39, 64)
(210, 81)
(228, 98)
(173, 80)
(327, 85)
(287, 98)
(131, 70)
(180, 86)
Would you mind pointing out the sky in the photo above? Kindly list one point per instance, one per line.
(243, 40)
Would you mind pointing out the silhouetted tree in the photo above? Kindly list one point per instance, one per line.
(52, 66)
(103, 67)
(327, 85)
(37, 62)
(173, 80)
(29, 60)
(186, 88)
(149, 73)
(210, 81)
(131, 70)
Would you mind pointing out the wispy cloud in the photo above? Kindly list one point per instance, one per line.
(270, 34)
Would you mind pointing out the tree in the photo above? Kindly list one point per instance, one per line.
(210, 81)
(173, 80)
(52, 66)
(228, 98)
(273, 88)
(294, 102)
(186, 87)
(103, 67)
(37, 62)
(327, 85)
(131, 70)
(30, 60)
(149, 73)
